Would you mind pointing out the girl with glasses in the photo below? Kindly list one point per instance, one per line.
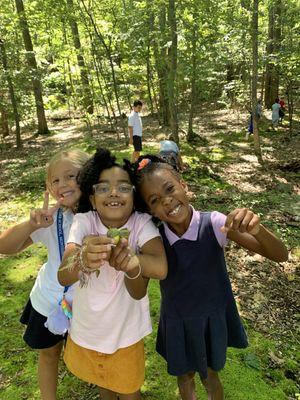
(110, 307)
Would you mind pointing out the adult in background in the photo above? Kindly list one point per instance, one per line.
(135, 128)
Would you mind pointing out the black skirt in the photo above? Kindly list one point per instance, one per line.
(36, 335)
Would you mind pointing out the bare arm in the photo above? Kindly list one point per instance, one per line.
(150, 263)
(243, 227)
(68, 272)
(17, 238)
(95, 250)
(130, 130)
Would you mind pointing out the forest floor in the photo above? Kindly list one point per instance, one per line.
(223, 174)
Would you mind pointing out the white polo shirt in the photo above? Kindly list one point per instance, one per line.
(135, 121)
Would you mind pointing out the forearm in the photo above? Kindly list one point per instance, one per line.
(69, 272)
(270, 246)
(136, 287)
(130, 130)
(153, 266)
(16, 238)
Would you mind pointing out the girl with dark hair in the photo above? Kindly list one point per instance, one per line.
(110, 307)
(199, 317)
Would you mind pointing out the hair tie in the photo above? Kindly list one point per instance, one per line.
(144, 163)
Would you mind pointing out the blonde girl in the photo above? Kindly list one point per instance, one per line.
(42, 226)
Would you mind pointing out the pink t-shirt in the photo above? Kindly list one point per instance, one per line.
(105, 317)
(217, 220)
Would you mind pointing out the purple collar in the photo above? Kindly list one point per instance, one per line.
(190, 234)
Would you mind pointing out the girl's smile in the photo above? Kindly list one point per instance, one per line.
(166, 199)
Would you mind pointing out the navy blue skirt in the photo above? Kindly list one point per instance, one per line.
(196, 343)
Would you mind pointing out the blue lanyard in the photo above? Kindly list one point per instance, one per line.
(60, 237)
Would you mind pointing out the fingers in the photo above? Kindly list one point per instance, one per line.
(40, 218)
(46, 201)
(120, 255)
(242, 220)
(52, 209)
(96, 250)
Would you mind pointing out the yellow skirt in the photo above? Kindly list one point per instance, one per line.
(121, 372)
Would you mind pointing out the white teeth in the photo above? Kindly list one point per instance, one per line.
(114, 204)
(175, 211)
(66, 194)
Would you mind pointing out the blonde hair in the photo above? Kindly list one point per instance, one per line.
(77, 157)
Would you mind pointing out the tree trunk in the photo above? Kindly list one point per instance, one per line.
(36, 82)
(290, 99)
(107, 49)
(160, 55)
(172, 58)
(273, 47)
(12, 94)
(3, 118)
(87, 98)
(254, 79)
(195, 27)
(149, 79)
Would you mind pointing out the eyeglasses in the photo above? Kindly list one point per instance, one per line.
(101, 189)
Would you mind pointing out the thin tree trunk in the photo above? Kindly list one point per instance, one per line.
(111, 64)
(149, 77)
(273, 47)
(254, 79)
(290, 99)
(173, 70)
(36, 82)
(4, 118)
(160, 56)
(87, 100)
(191, 134)
(12, 94)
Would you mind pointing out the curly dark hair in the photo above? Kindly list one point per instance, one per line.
(89, 176)
(137, 175)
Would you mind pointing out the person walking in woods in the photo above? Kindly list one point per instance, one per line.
(50, 226)
(110, 307)
(275, 113)
(198, 317)
(135, 128)
(282, 109)
(258, 114)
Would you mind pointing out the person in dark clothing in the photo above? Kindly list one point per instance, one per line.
(198, 317)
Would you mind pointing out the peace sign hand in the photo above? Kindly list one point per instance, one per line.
(43, 217)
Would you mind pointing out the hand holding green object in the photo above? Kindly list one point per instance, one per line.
(117, 234)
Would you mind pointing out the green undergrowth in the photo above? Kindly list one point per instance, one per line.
(245, 377)
(248, 373)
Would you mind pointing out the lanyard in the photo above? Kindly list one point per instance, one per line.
(60, 237)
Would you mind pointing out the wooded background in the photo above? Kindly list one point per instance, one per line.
(92, 58)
